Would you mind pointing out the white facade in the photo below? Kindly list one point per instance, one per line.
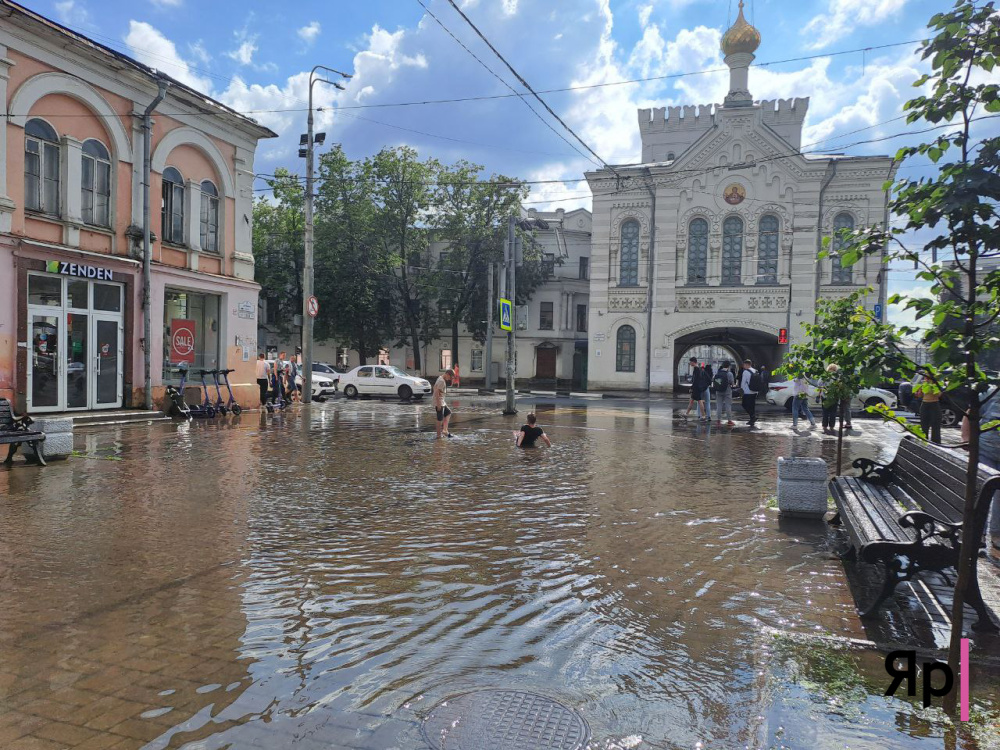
(551, 335)
(714, 238)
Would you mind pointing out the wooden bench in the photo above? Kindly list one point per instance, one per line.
(908, 515)
(15, 430)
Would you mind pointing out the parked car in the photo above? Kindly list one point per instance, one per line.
(780, 394)
(383, 380)
(330, 371)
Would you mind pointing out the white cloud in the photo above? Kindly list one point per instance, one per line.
(843, 16)
(198, 51)
(899, 316)
(72, 13)
(243, 54)
(149, 46)
(167, 3)
(310, 32)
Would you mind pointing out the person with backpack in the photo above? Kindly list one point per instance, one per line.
(705, 403)
(723, 387)
(750, 385)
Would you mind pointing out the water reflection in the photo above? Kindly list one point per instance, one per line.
(324, 580)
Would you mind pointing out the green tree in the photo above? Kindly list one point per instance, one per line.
(354, 270)
(850, 337)
(957, 208)
(278, 247)
(402, 198)
(471, 217)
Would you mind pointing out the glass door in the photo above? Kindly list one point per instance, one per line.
(44, 391)
(77, 359)
(107, 362)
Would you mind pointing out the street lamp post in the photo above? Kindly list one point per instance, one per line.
(307, 271)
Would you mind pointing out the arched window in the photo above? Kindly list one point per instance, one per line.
(625, 350)
(629, 263)
(173, 206)
(209, 217)
(95, 184)
(698, 251)
(732, 251)
(839, 274)
(767, 250)
(41, 167)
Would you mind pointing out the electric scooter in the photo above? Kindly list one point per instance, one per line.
(206, 408)
(178, 407)
(232, 405)
(220, 405)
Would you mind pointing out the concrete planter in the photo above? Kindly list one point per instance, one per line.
(802, 487)
(58, 437)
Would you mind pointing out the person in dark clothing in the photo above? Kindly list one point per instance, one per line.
(530, 433)
(749, 393)
(696, 386)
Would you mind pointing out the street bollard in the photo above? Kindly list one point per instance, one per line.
(802, 487)
(58, 436)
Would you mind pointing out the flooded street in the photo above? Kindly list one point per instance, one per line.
(324, 578)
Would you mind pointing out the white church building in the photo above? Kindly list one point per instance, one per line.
(713, 239)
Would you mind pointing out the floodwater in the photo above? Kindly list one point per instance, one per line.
(323, 578)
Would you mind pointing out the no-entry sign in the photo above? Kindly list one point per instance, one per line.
(312, 307)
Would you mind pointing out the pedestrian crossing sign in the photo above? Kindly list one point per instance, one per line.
(505, 315)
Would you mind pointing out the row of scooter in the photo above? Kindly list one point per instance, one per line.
(207, 409)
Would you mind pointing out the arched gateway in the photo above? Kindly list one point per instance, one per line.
(713, 239)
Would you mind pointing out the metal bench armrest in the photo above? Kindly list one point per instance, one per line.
(928, 526)
(874, 472)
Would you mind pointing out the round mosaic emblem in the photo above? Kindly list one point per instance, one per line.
(734, 194)
(504, 720)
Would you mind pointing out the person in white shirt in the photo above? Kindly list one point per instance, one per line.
(749, 385)
(800, 402)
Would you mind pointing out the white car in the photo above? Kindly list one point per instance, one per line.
(780, 394)
(383, 380)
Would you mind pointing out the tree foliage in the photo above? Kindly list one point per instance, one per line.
(957, 209)
(278, 247)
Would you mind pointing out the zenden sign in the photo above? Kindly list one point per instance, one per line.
(78, 269)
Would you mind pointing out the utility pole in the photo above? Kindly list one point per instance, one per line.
(490, 303)
(147, 251)
(307, 270)
(509, 268)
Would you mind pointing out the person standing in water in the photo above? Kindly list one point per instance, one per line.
(530, 433)
(441, 409)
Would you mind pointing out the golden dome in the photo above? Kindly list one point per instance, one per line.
(741, 37)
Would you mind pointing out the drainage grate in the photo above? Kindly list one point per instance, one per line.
(504, 720)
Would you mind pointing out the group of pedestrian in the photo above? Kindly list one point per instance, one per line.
(278, 380)
(724, 383)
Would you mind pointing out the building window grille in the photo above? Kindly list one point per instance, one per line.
(698, 252)
(625, 350)
(629, 263)
(732, 251)
(839, 273)
(767, 250)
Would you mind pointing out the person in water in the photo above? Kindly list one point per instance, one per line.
(530, 433)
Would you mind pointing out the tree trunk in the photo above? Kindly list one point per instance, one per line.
(415, 340)
(840, 438)
(454, 342)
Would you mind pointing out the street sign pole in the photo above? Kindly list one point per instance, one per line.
(489, 327)
(510, 407)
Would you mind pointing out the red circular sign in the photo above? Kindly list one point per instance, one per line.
(313, 307)
(183, 343)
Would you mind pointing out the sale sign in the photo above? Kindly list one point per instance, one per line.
(182, 341)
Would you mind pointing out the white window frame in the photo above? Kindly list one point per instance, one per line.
(476, 356)
(45, 151)
(209, 217)
(172, 206)
(90, 207)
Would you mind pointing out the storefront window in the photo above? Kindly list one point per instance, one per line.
(45, 290)
(190, 333)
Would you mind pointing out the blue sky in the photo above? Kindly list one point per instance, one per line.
(255, 56)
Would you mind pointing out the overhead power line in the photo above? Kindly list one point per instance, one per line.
(526, 85)
(501, 79)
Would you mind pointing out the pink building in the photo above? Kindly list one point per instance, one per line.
(71, 165)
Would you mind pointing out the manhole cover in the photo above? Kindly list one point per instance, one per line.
(504, 720)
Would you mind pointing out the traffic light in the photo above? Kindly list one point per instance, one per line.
(782, 335)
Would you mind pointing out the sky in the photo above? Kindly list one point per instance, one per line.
(256, 56)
